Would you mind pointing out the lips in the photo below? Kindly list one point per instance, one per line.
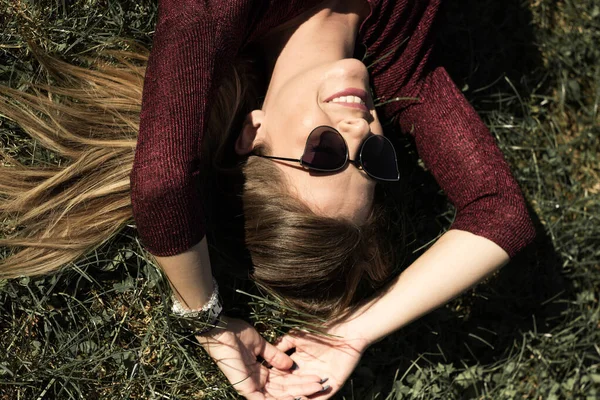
(349, 92)
(360, 93)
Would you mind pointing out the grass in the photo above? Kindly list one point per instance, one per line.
(98, 330)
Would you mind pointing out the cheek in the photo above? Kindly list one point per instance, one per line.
(298, 104)
(298, 118)
(293, 111)
(308, 121)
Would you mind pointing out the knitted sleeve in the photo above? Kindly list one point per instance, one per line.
(451, 139)
(193, 39)
(462, 155)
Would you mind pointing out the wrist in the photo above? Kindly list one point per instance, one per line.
(351, 331)
(212, 336)
(197, 321)
(365, 323)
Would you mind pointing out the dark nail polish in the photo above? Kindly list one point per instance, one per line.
(324, 388)
(294, 366)
(323, 380)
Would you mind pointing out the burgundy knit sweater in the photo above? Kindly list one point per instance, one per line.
(194, 37)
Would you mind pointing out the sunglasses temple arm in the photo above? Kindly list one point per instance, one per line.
(280, 158)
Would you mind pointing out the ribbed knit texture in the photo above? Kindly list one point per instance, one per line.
(194, 37)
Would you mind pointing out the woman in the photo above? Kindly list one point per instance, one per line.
(307, 51)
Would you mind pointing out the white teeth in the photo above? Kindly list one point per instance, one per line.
(347, 99)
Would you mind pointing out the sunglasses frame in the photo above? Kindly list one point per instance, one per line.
(357, 163)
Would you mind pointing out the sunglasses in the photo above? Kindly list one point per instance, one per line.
(326, 150)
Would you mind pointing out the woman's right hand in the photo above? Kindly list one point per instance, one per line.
(235, 348)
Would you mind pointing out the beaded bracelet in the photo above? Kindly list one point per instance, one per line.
(198, 321)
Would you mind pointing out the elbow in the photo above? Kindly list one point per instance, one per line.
(520, 229)
(510, 227)
(166, 210)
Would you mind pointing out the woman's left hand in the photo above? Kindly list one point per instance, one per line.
(326, 356)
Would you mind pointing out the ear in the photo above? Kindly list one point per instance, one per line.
(251, 133)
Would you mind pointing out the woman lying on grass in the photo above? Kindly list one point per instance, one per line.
(312, 150)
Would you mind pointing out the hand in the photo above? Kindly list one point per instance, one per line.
(235, 348)
(332, 357)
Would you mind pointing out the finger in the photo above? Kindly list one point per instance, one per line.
(282, 383)
(297, 385)
(306, 390)
(285, 343)
(282, 378)
(276, 357)
(298, 364)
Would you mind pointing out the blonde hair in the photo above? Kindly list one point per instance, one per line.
(89, 117)
(54, 214)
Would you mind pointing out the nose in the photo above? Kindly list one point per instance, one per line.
(354, 131)
(354, 128)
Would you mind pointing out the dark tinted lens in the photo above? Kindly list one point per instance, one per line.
(325, 150)
(379, 158)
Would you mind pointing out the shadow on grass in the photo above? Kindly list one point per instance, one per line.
(481, 44)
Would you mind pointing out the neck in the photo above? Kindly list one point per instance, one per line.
(323, 34)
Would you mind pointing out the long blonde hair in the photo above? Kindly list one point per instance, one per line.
(88, 118)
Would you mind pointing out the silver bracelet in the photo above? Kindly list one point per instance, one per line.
(198, 321)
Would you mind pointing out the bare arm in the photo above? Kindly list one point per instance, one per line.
(236, 346)
(189, 274)
(457, 261)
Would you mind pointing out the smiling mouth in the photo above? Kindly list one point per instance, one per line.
(347, 94)
(357, 106)
(351, 98)
(348, 100)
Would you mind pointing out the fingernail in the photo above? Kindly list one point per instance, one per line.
(323, 380)
(324, 388)
(294, 366)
